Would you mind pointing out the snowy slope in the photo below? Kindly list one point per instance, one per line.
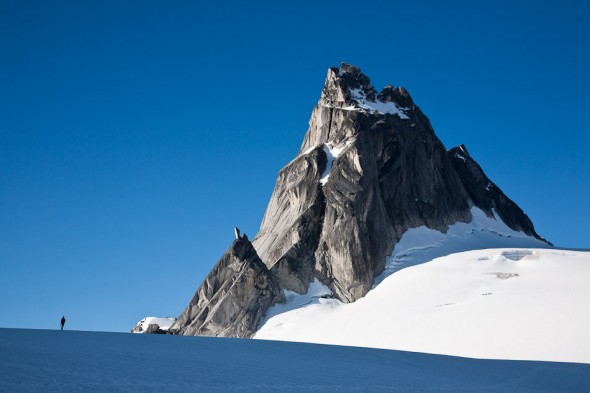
(513, 301)
(419, 245)
(526, 303)
(42, 361)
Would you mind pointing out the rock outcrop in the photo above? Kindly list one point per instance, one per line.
(153, 325)
(233, 297)
(370, 168)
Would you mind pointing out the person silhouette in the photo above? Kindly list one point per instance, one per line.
(63, 322)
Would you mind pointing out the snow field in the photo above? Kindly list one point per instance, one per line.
(449, 293)
(40, 361)
(481, 304)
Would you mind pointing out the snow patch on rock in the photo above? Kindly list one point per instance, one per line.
(459, 156)
(143, 325)
(384, 108)
(332, 153)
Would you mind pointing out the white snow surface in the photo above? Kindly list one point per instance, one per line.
(515, 300)
(39, 361)
(528, 304)
(364, 103)
(163, 323)
(332, 153)
(422, 244)
(317, 293)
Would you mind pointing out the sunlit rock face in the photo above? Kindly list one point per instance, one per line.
(233, 297)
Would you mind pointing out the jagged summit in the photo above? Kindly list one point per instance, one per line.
(348, 93)
(370, 168)
(349, 89)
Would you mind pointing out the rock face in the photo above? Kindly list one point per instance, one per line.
(233, 297)
(486, 195)
(370, 168)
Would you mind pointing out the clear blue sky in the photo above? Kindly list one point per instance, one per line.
(135, 135)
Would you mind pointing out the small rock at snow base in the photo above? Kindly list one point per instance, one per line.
(154, 328)
(153, 325)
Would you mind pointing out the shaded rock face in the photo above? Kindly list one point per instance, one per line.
(370, 168)
(486, 195)
(154, 328)
(291, 228)
(233, 297)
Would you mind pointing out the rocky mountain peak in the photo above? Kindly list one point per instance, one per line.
(349, 96)
(349, 89)
(339, 84)
(370, 168)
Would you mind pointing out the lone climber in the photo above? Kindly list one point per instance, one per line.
(63, 322)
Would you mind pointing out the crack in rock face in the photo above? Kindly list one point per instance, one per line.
(516, 255)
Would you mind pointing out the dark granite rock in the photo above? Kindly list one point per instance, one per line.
(486, 195)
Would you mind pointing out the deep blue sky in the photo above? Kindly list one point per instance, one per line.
(135, 136)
